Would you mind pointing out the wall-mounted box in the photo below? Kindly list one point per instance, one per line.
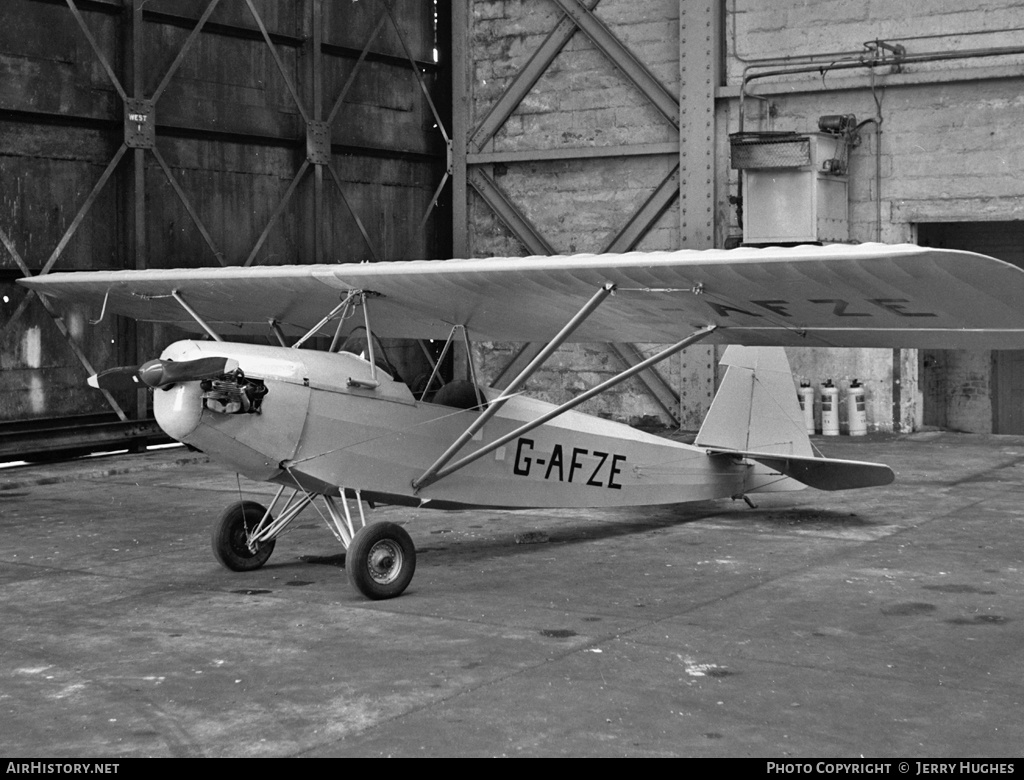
(794, 187)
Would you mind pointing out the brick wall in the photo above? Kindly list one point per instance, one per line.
(579, 205)
(950, 147)
(950, 150)
(582, 100)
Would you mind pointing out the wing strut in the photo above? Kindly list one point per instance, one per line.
(435, 472)
(195, 315)
(338, 311)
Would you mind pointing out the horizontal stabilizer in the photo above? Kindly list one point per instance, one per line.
(820, 473)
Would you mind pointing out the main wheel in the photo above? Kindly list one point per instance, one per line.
(381, 560)
(230, 537)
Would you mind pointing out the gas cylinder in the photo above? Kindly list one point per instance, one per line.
(806, 396)
(829, 409)
(855, 409)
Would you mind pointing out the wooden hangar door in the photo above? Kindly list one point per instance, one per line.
(978, 392)
(189, 133)
(588, 126)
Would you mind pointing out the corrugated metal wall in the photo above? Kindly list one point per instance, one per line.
(181, 133)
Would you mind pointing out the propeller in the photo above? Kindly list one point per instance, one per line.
(162, 373)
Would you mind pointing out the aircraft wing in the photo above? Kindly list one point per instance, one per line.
(867, 295)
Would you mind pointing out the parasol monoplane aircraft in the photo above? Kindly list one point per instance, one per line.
(341, 428)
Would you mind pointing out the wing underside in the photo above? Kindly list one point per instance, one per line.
(868, 295)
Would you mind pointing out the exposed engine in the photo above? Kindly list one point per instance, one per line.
(233, 393)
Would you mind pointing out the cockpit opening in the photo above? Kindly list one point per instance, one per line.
(357, 344)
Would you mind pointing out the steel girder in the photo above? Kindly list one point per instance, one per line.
(692, 180)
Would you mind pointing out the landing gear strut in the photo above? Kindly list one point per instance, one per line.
(380, 558)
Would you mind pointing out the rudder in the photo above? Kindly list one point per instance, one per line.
(756, 407)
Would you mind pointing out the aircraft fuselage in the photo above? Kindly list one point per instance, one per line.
(327, 421)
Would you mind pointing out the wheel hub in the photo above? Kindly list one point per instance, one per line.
(242, 542)
(384, 561)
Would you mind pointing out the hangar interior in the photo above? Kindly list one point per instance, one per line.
(881, 622)
(199, 133)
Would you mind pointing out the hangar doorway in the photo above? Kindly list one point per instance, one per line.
(978, 392)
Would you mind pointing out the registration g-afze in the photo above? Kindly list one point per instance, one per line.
(340, 428)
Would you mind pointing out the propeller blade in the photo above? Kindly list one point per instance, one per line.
(114, 379)
(162, 373)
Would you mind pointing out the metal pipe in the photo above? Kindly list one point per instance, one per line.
(755, 61)
(908, 59)
(369, 337)
(194, 315)
(437, 363)
(480, 400)
(596, 390)
(278, 333)
(334, 312)
(431, 474)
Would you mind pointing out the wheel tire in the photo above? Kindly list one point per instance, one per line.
(229, 534)
(381, 560)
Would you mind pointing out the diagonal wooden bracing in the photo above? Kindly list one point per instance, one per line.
(125, 72)
(140, 143)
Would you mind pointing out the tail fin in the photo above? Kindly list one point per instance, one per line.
(756, 416)
(756, 408)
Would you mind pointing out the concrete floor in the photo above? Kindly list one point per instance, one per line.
(877, 623)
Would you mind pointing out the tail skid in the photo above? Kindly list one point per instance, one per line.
(756, 416)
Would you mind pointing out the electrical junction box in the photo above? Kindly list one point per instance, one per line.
(794, 187)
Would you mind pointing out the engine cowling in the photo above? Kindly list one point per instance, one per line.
(253, 418)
